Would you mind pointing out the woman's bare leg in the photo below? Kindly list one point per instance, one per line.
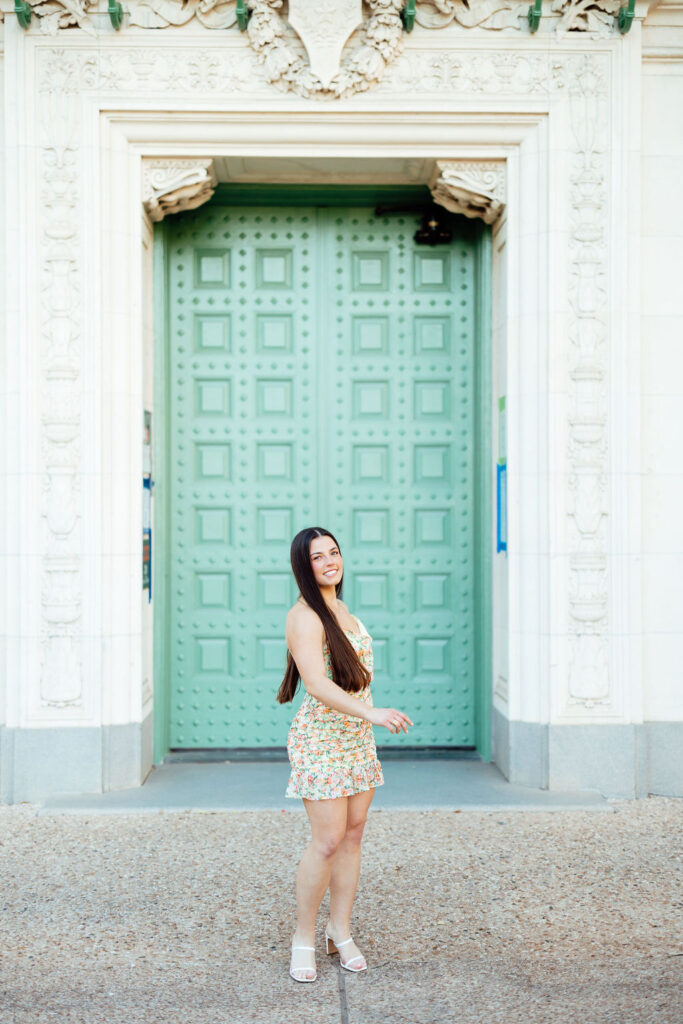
(345, 874)
(328, 827)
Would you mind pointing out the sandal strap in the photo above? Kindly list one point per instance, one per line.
(304, 947)
(359, 957)
(344, 943)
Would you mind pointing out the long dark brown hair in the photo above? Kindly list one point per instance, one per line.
(347, 670)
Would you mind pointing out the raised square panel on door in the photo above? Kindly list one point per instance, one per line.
(432, 400)
(371, 464)
(433, 526)
(432, 464)
(212, 525)
(212, 397)
(212, 333)
(432, 592)
(213, 590)
(371, 399)
(274, 525)
(212, 655)
(433, 658)
(372, 592)
(212, 268)
(371, 527)
(370, 271)
(431, 335)
(370, 335)
(432, 271)
(276, 590)
(275, 462)
(274, 397)
(212, 462)
(274, 333)
(274, 268)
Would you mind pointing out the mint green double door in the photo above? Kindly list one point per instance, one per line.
(320, 370)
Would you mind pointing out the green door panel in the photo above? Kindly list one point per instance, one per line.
(321, 370)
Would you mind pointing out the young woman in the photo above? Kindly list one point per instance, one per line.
(331, 745)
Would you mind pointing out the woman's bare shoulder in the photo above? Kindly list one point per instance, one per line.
(303, 623)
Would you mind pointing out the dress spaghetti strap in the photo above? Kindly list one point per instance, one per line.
(361, 628)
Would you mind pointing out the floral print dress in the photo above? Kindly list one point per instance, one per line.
(333, 754)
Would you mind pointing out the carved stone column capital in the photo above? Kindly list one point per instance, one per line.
(170, 186)
(475, 188)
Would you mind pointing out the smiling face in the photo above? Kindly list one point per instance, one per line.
(326, 562)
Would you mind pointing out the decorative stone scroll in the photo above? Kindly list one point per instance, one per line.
(472, 187)
(171, 186)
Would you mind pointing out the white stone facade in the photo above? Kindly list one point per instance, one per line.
(569, 140)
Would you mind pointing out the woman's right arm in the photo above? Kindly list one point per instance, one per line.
(305, 637)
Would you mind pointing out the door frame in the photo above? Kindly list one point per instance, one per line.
(316, 195)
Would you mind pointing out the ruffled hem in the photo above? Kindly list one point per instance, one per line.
(324, 785)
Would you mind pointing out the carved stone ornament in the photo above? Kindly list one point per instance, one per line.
(474, 188)
(370, 49)
(171, 186)
(584, 80)
(324, 28)
(326, 49)
(586, 15)
(494, 14)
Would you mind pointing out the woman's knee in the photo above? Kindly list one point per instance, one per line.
(354, 830)
(327, 844)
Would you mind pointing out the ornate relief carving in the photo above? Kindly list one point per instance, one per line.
(56, 14)
(481, 72)
(61, 672)
(584, 79)
(586, 15)
(182, 71)
(371, 48)
(470, 13)
(170, 186)
(475, 188)
(162, 13)
(377, 43)
(324, 29)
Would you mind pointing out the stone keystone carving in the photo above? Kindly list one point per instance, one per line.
(323, 28)
(473, 187)
(170, 186)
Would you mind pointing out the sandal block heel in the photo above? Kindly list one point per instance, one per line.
(335, 947)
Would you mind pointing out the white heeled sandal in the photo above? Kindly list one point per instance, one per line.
(335, 947)
(293, 969)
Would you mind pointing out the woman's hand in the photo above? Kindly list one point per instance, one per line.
(390, 718)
